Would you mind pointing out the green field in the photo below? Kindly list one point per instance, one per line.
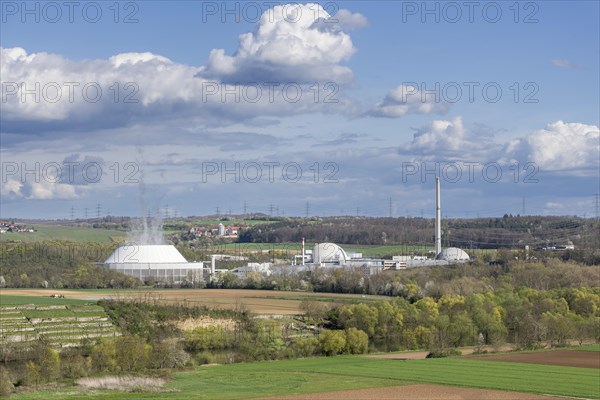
(262, 379)
(587, 347)
(10, 300)
(366, 250)
(70, 233)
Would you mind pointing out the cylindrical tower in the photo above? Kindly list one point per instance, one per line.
(438, 218)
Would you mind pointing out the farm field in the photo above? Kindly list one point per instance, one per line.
(415, 392)
(366, 250)
(59, 325)
(321, 375)
(256, 301)
(570, 358)
(10, 300)
(70, 233)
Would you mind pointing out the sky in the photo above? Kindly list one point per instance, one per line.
(185, 108)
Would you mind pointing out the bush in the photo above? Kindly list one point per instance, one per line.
(168, 354)
(332, 342)
(132, 353)
(49, 365)
(6, 385)
(103, 356)
(74, 365)
(443, 353)
(305, 347)
(204, 358)
(33, 376)
(357, 341)
(206, 338)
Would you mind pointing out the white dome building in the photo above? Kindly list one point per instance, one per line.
(329, 253)
(164, 263)
(453, 254)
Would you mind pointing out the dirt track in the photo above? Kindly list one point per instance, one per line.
(417, 392)
(567, 358)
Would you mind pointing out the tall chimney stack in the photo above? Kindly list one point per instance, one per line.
(438, 218)
(303, 252)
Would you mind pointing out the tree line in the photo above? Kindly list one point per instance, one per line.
(481, 233)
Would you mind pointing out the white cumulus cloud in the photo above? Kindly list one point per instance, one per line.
(449, 139)
(299, 43)
(44, 92)
(560, 146)
(566, 148)
(44, 190)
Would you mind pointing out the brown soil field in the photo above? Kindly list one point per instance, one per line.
(419, 355)
(567, 358)
(417, 392)
(257, 301)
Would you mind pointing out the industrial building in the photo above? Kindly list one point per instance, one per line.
(163, 263)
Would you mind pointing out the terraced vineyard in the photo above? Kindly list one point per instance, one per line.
(58, 325)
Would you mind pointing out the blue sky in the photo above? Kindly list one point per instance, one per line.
(170, 147)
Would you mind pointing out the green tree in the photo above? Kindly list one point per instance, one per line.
(461, 330)
(428, 310)
(357, 341)
(49, 364)
(332, 342)
(33, 376)
(74, 365)
(559, 328)
(104, 356)
(360, 316)
(390, 319)
(206, 338)
(305, 346)
(132, 353)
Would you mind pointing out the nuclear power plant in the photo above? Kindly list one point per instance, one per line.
(164, 263)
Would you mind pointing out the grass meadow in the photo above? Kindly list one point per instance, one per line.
(69, 233)
(263, 379)
(10, 300)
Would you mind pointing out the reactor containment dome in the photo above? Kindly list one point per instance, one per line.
(329, 253)
(452, 254)
(162, 263)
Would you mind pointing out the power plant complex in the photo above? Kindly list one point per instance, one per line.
(164, 263)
